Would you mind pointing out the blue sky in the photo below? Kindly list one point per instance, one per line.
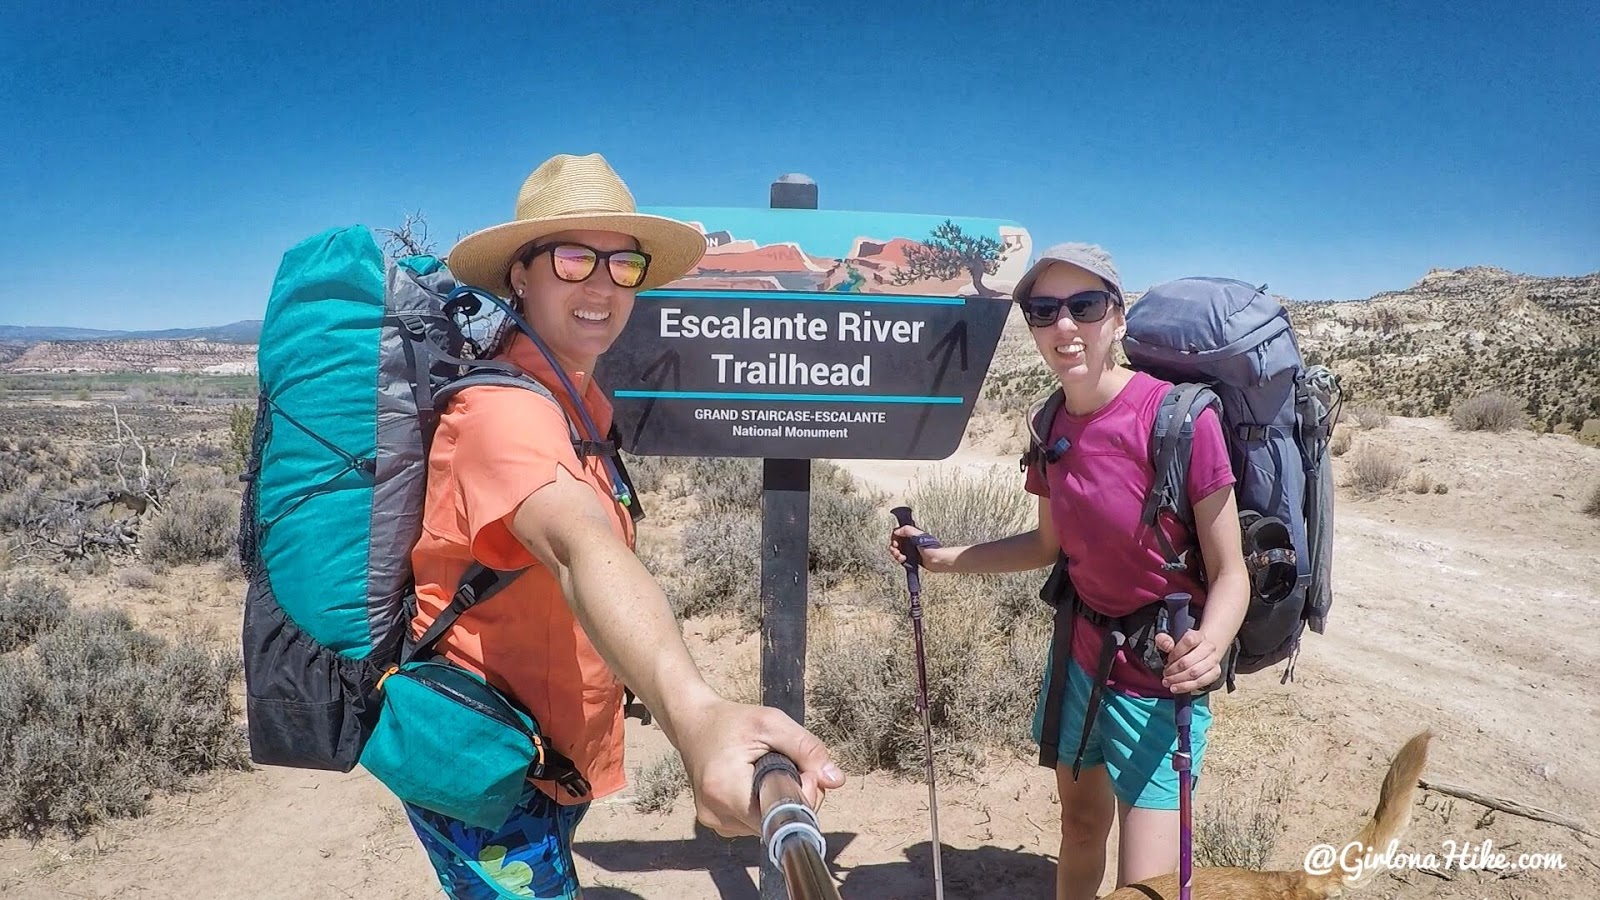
(158, 158)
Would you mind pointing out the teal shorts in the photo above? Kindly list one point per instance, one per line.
(1133, 737)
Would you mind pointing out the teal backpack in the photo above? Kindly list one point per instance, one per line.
(358, 357)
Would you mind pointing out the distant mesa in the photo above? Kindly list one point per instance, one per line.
(736, 257)
(886, 253)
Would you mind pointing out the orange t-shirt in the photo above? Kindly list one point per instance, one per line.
(494, 447)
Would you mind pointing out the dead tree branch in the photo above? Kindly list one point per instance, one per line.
(1509, 806)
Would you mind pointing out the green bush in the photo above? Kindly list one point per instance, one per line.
(241, 433)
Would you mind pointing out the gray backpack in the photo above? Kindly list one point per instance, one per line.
(1227, 344)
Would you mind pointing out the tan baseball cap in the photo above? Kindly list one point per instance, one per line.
(1092, 258)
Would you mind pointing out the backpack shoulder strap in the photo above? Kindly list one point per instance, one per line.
(478, 584)
(1171, 440)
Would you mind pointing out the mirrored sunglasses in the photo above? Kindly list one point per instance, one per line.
(1085, 306)
(576, 262)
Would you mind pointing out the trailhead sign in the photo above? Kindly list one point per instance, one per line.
(811, 334)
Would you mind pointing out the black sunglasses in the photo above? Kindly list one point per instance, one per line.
(575, 262)
(1085, 306)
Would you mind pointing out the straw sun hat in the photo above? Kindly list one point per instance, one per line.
(569, 193)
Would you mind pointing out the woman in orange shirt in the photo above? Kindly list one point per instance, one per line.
(507, 489)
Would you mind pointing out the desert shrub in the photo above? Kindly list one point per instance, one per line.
(1369, 417)
(12, 475)
(1231, 831)
(861, 693)
(1492, 411)
(983, 681)
(1422, 483)
(23, 508)
(195, 526)
(721, 554)
(1592, 506)
(722, 482)
(1441, 488)
(138, 578)
(1342, 438)
(29, 606)
(1374, 471)
(960, 508)
(101, 716)
(210, 455)
(844, 538)
(660, 783)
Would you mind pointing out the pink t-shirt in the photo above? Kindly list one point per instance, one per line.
(1097, 490)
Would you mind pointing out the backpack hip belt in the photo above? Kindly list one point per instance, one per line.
(1134, 632)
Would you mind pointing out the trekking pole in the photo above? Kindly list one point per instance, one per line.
(790, 832)
(1178, 624)
(913, 555)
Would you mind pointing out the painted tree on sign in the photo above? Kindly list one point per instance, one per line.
(947, 252)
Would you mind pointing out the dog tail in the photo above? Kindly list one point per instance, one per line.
(1389, 820)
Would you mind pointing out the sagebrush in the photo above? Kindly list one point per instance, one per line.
(1374, 470)
(1492, 411)
(195, 526)
(658, 784)
(29, 606)
(1232, 831)
(101, 716)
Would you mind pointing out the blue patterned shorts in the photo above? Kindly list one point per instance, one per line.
(529, 857)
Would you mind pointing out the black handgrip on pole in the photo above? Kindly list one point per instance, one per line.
(774, 762)
(1179, 621)
(902, 514)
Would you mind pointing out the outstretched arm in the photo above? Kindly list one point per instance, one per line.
(627, 616)
(1020, 552)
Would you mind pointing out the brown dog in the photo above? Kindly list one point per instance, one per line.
(1388, 822)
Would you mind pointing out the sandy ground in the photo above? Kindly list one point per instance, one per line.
(1465, 612)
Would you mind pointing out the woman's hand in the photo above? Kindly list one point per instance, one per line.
(1193, 663)
(934, 558)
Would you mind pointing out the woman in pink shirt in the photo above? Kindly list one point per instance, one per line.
(1090, 500)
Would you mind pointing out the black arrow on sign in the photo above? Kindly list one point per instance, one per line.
(669, 365)
(954, 340)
